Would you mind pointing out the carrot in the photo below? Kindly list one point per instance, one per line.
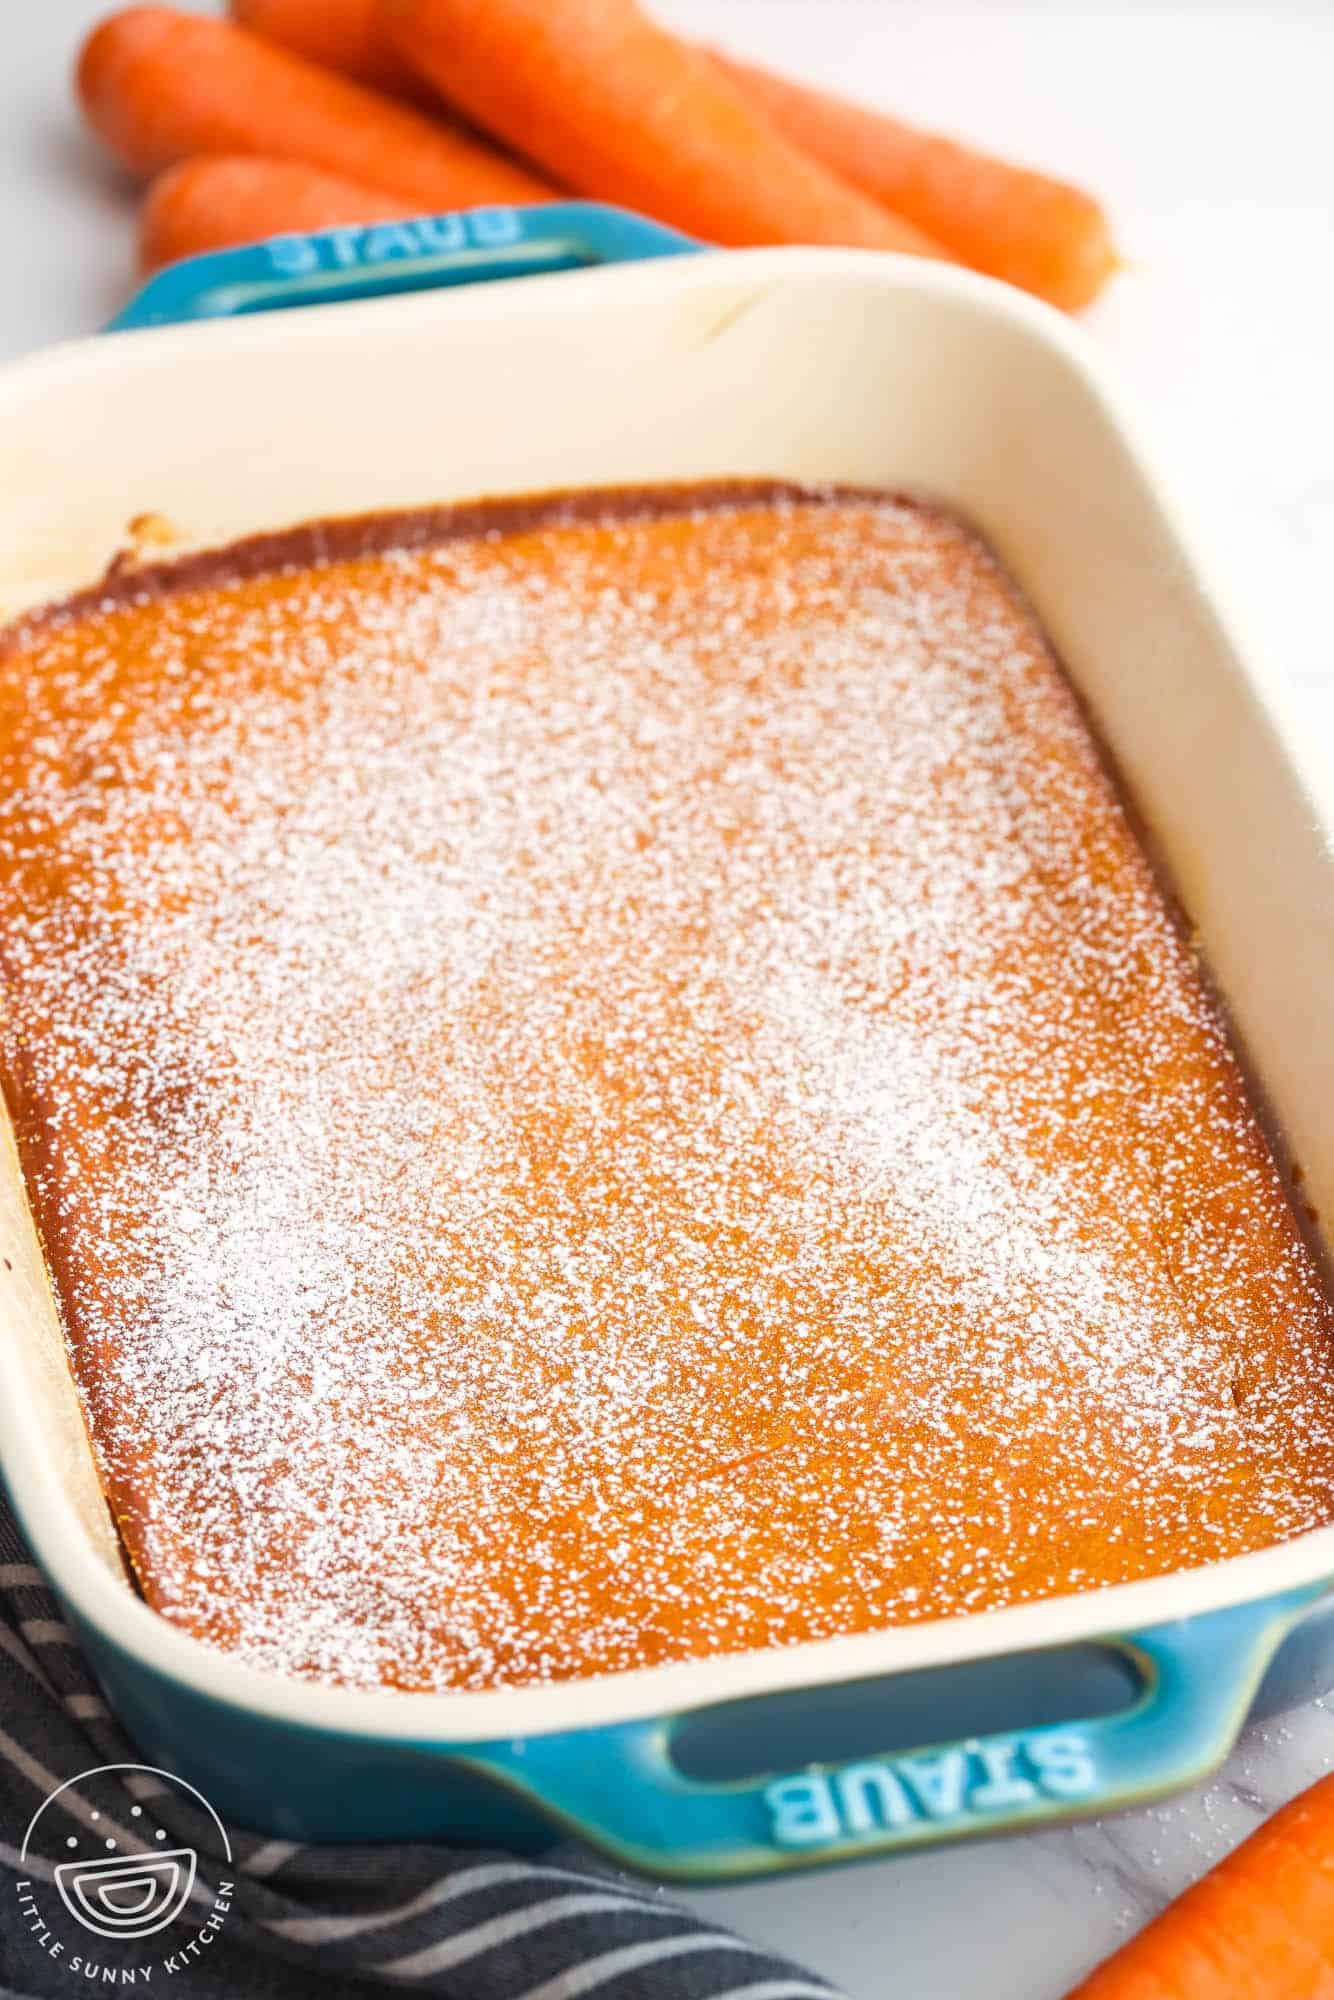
(616, 107)
(1260, 1926)
(342, 34)
(158, 86)
(1008, 221)
(220, 199)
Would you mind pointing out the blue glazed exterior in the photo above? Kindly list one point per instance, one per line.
(1303, 1666)
(372, 260)
(618, 1788)
(618, 1785)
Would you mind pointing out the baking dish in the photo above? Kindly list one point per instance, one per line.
(797, 364)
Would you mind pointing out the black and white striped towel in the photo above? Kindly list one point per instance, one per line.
(340, 1923)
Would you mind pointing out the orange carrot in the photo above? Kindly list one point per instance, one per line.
(342, 34)
(1036, 232)
(1260, 1926)
(220, 199)
(158, 86)
(616, 107)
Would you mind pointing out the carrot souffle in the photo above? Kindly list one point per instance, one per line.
(604, 1079)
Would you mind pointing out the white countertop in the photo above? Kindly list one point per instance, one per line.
(1207, 130)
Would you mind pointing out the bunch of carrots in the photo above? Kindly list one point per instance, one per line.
(309, 114)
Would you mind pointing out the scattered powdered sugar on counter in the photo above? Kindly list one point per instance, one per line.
(617, 1089)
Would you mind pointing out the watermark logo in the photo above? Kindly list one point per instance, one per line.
(130, 1898)
(100, 1842)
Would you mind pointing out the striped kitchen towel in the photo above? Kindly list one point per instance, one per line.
(82, 1893)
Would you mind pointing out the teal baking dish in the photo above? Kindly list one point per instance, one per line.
(609, 355)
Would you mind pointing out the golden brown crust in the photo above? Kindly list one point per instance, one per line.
(605, 1079)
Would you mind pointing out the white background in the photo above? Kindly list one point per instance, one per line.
(1208, 131)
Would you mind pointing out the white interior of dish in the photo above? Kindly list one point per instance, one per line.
(813, 365)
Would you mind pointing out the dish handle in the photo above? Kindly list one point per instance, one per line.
(619, 1789)
(373, 260)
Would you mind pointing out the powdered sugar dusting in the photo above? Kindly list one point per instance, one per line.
(607, 1091)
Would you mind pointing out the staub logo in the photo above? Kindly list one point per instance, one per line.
(971, 1782)
(360, 244)
(99, 1844)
